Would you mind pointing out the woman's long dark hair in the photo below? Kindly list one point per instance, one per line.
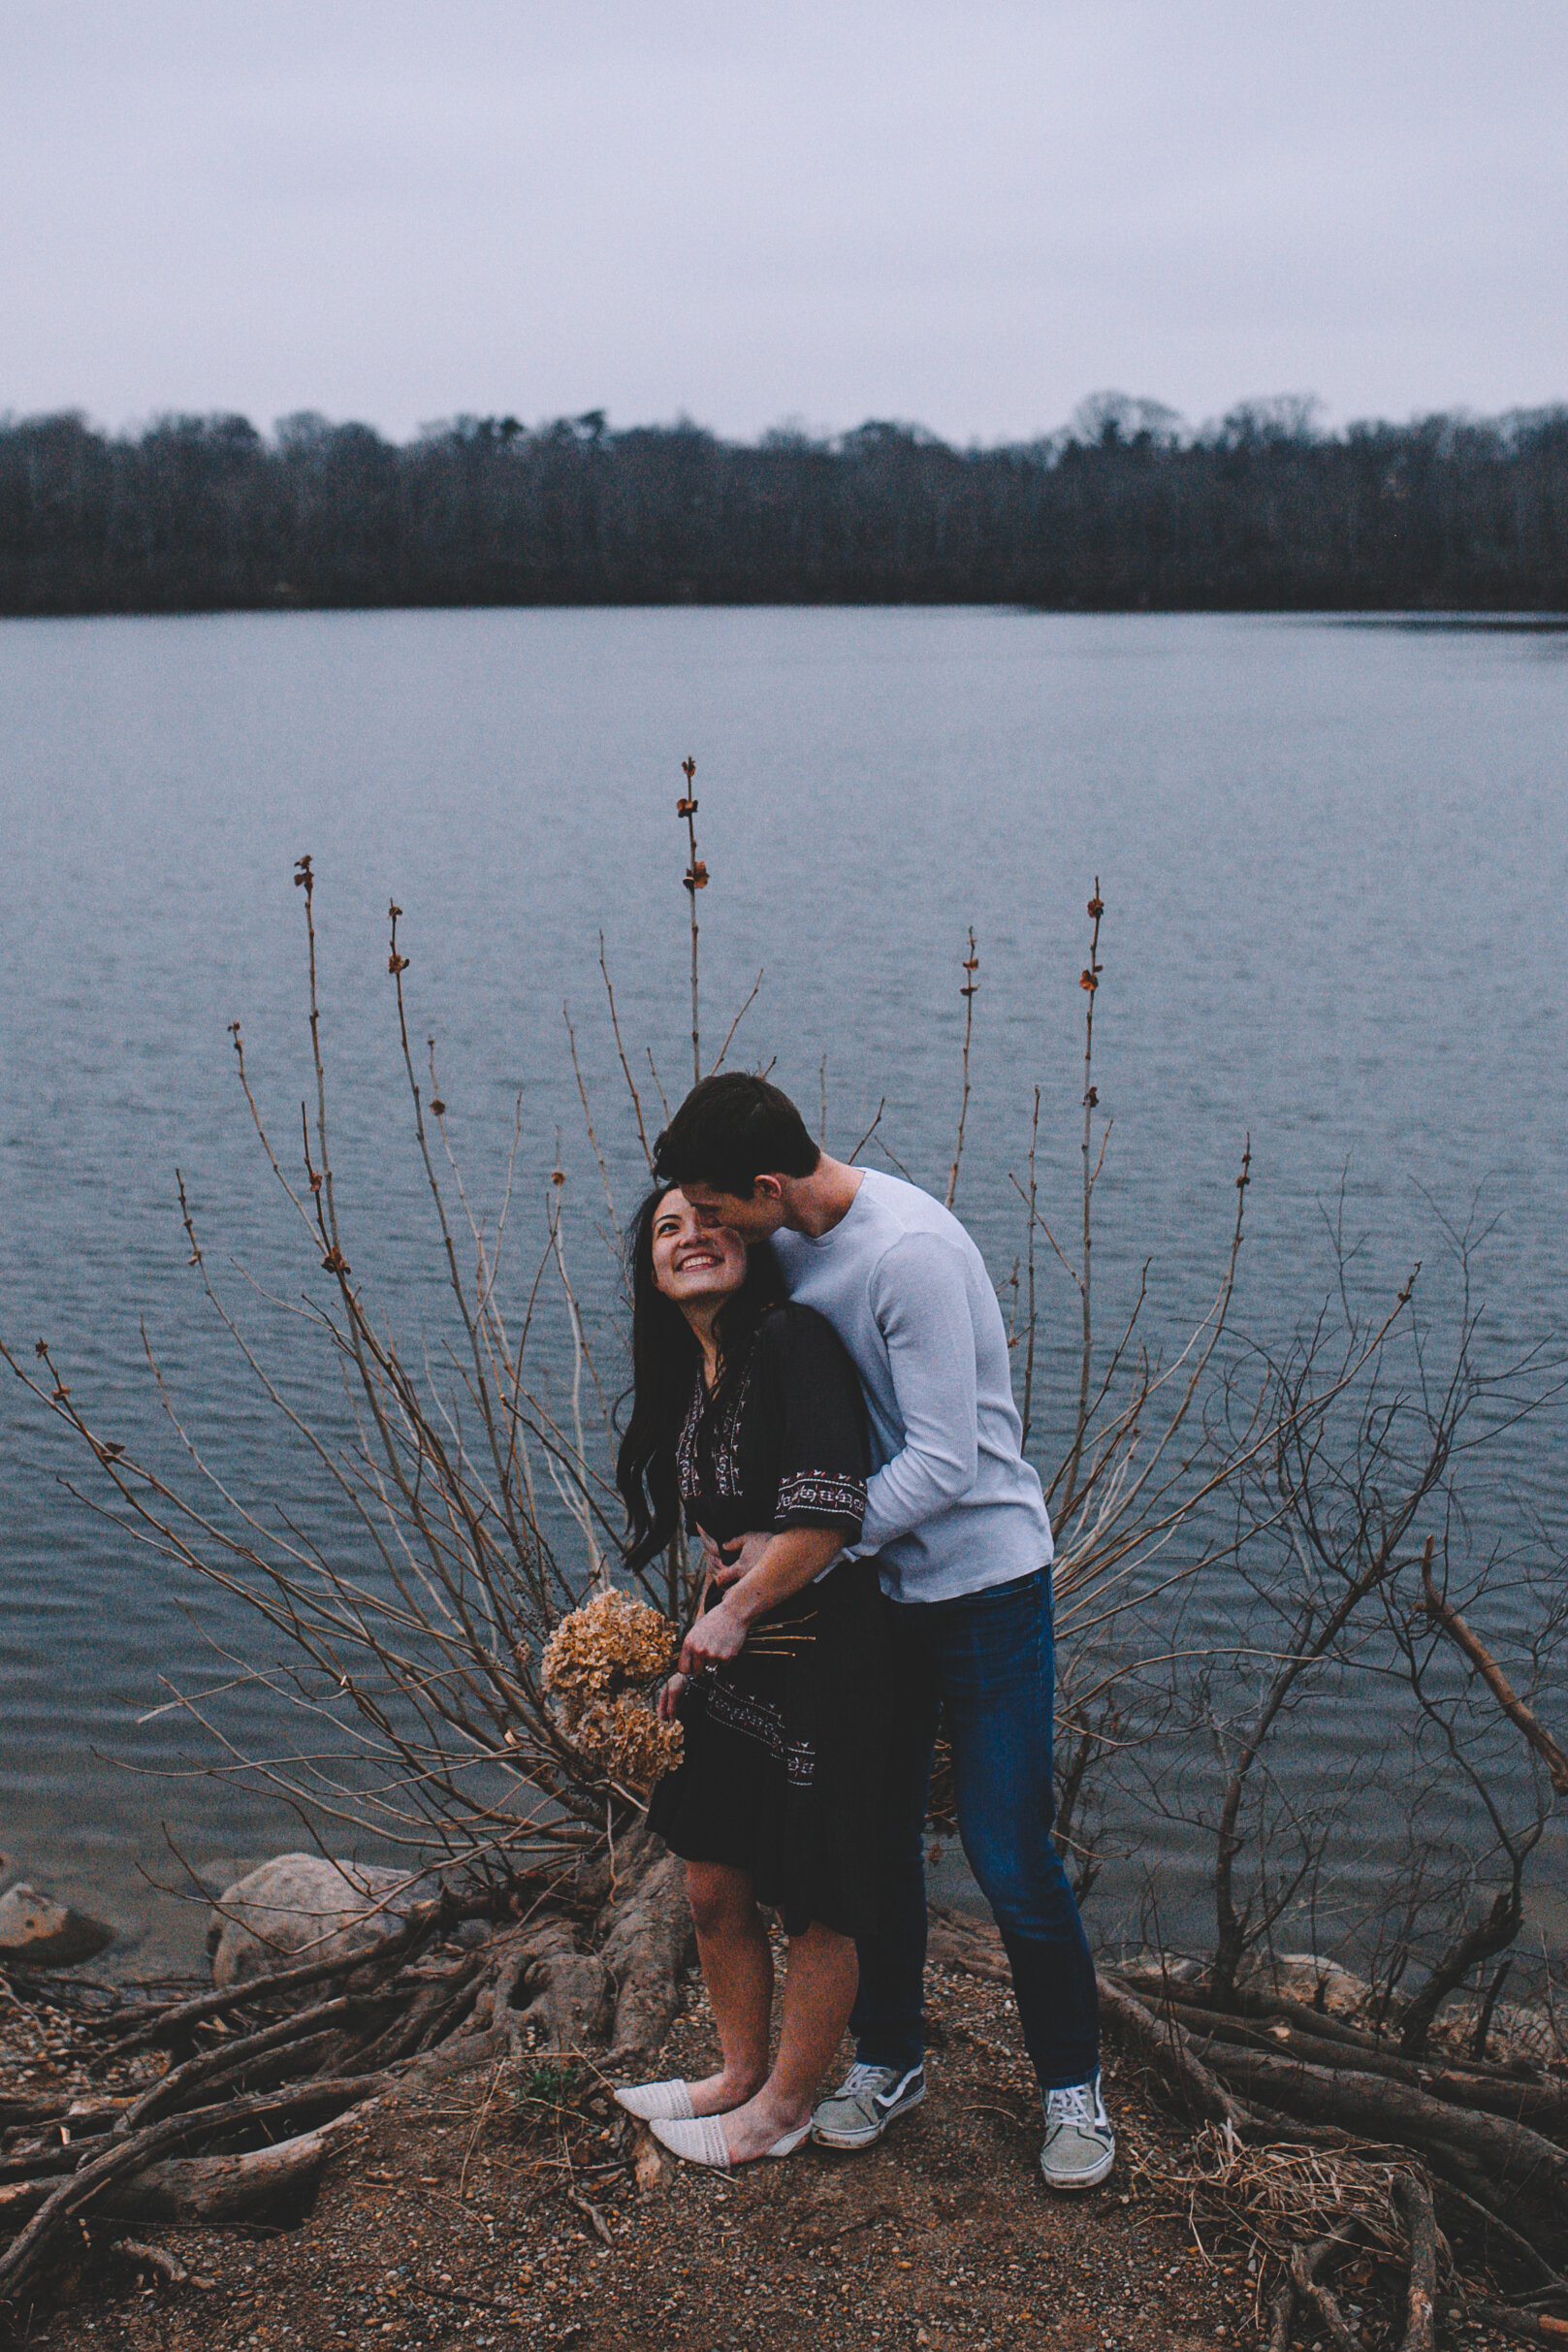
(665, 1357)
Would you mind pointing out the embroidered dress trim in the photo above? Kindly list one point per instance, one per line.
(726, 1451)
(723, 1442)
(685, 1445)
(834, 1495)
(756, 1719)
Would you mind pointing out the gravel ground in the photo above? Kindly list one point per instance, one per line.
(518, 2208)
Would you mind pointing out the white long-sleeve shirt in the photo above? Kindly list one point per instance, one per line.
(951, 1506)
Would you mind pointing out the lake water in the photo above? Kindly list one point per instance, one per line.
(1333, 860)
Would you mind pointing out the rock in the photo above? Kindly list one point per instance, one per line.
(651, 2169)
(1519, 2032)
(1164, 1965)
(37, 1932)
(300, 1907)
(956, 1940)
(1300, 1975)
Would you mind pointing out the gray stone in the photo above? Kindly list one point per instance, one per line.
(1163, 1964)
(1520, 2032)
(300, 1907)
(1301, 1976)
(37, 1932)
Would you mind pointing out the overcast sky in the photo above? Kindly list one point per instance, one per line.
(965, 213)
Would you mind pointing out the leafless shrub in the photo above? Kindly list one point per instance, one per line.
(475, 1510)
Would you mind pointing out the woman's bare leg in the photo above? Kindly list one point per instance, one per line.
(820, 1990)
(737, 1968)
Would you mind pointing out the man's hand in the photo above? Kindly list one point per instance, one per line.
(727, 1562)
(718, 1635)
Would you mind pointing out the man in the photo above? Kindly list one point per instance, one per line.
(956, 1520)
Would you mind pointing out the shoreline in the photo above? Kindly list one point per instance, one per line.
(489, 2200)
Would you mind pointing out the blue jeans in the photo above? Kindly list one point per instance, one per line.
(987, 1662)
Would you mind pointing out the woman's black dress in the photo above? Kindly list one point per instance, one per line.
(786, 1746)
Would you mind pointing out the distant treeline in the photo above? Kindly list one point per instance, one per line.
(1122, 512)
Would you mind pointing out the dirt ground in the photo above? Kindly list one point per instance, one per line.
(518, 2208)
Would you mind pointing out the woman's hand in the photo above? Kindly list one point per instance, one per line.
(718, 1635)
(667, 1706)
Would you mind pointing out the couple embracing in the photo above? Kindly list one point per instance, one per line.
(821, 1390)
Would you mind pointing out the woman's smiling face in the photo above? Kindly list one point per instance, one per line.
(692, 1261)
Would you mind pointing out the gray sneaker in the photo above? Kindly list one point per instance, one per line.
(1080, 2146)
(865, 2104)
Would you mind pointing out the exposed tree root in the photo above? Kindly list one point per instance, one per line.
(185, 2148)
(648, 1945)
(1494, 2089)
(1493, 2137)
(1473, 2211)
(99, 2182)
(1516, 2161)
(1527, 2327)
(1280, 2312)
(1306, 2266)
(558, 1990)
(171, 2021)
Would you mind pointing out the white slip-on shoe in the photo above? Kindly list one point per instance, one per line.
(1080, 2146)
(702, 2140)
(670, 2102)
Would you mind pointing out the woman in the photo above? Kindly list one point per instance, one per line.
(747, 1415)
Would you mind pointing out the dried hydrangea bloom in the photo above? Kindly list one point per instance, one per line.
(597, 1665)
(610, 1643)
(627, 1737)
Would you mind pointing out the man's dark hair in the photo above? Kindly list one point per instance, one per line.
(731, 1129)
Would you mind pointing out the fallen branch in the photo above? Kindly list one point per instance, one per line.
(601, 2228)
(1170, 2051)
(156, 2258)
(1412, 2200)
(83, 2114)
(32, 2164)
(213, 2189)
(171, 2022)
(21, 2201)
(1491, 2089)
